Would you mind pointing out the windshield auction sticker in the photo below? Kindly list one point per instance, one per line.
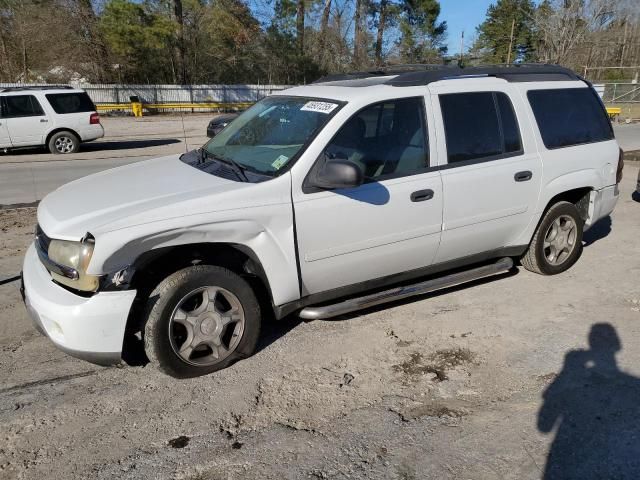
(279, 162)
(320, 107)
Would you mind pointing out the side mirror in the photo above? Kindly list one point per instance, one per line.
(338, 173)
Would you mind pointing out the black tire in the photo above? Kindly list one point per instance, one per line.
(64, 142)
(535, 258)
(166, 297)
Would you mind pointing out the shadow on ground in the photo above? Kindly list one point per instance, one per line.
(598, 231)
(126, 144)
(99, 146)
(594, 409)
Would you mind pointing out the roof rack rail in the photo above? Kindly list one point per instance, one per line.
(517, 72)
(34, 87)
(381, 71)
(406, 75)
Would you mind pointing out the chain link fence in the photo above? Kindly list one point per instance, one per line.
(621, 93)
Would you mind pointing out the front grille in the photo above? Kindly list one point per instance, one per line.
(42, 239)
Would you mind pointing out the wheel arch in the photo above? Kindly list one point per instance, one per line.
(61, 129)
(153, 266)
(580, 196)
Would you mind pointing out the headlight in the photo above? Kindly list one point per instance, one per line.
(75, 255)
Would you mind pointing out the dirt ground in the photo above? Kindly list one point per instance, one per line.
(447, 386)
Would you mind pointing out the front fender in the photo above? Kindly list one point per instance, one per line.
(271, 241)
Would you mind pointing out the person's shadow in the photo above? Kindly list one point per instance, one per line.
(595, 408)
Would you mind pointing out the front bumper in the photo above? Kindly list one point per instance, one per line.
(90, 328)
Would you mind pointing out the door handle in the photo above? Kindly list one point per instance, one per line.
(43, 120)
(422, 195)
(523, 176)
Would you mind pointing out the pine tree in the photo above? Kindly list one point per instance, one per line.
(422, 35)
(494, 34)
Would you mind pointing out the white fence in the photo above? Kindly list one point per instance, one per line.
(159, 94)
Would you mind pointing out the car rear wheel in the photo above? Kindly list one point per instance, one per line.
(64, 142)
(201, 319)
(557, 242)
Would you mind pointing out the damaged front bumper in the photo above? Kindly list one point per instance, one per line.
(91, 328)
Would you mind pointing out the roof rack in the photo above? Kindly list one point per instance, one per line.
(414, 75)
(33, 87)
(380, 72)
(522, 72)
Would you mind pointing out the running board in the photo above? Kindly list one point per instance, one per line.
(398, 293)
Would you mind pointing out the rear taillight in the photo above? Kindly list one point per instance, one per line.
(94, 119)
(620, 167)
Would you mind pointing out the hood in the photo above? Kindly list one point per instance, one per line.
(95, 201)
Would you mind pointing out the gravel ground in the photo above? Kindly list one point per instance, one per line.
(518, 377)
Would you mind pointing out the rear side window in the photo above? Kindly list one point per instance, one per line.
(21, 106)
(569, 116)
(70, 102)
(479, 125)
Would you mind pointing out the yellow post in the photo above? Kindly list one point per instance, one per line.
(136, 107)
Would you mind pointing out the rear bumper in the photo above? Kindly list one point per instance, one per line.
(91, 132)
(602, 203)
(90, 328)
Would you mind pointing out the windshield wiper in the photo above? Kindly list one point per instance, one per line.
(236, 167)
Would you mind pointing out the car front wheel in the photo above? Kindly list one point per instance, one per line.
(201, 319)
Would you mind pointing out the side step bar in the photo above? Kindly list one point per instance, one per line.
(398, 293)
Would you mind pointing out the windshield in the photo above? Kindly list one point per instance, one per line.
(266, 137)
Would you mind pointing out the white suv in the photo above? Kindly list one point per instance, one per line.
(316, 197)
(57, 117)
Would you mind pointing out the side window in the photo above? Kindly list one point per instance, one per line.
(70, 102)
(387, 139)
(479, 125)
(569, 116)
(21, 106)
(510, 129)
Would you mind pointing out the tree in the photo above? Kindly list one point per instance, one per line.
(139, 39)
(359, 36)
(181, 66)
(563, 25)
(494, 34)
(422, 35)
(386, 14)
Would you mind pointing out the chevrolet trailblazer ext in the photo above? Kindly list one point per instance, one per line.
(356, 183)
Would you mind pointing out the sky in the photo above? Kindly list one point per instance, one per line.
(462, 15)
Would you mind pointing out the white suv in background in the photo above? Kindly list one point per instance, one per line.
(321, 200)
(57, 117)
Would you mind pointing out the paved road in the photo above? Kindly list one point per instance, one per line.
(28, 175)
(628, 136)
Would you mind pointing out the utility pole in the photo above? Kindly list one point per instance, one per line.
(461, 44)
(513, 26)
